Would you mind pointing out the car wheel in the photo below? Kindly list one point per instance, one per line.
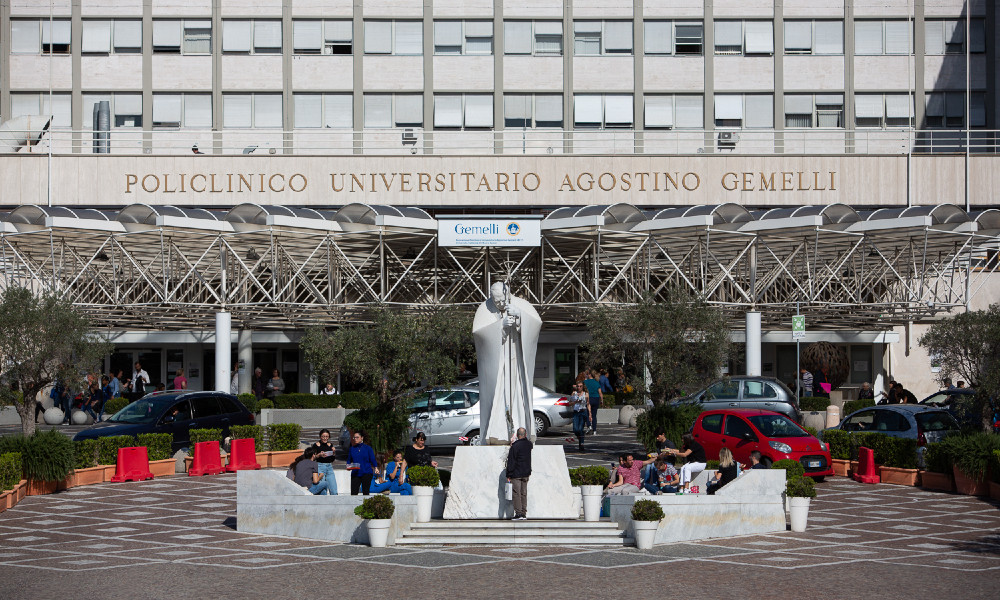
(473, 438)
(541, 425)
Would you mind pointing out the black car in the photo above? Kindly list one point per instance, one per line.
(174, 413)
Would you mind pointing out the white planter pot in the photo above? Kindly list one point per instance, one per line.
(378, 532)
(798, 510)
(645, 532)
(592, 496)
(425, 501)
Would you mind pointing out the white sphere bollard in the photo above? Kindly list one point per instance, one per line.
(53, 416)
(78, 417)
(625, 414)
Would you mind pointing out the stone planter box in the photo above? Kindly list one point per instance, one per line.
(853, 468)
(897, 476)
(969, 486)
(281, 458)
(40, 488)
(6, 500)
(162, 468)
(937, 481)
(995, 490)
(840, 466)
(189, 460)
(88, 476)
(109, 472)
(21, 490)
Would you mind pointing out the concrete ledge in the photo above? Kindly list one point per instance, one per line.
(306, 417)
(269, 503)
(752, 504)
(607, 416)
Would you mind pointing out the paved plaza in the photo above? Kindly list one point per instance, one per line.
(175, 537)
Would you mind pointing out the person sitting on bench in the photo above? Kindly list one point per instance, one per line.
(663, 478)
(627, 480)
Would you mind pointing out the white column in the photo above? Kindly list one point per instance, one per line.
(223, 348)
(753, 343)
(244, 350)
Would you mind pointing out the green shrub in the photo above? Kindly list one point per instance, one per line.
(856, 405)
(386, 426)
(283, 436)
(358, 399)
(250, 401)
(839, 443)
(113, 405)
(712, 465)
(592, 475)
(13, 443)
(811, 403)
(445, 475)
(107, 448)
(265, 403)
(11, 470)
(889, 451)
(205, 435)
(609, 401)
(996, 466)
(973, 454)
(48, 456)
(647, 510)
(793, 468)
(800, 487)
(86, 452)
(425, 476)
(937, 458)
(378, 506)
(241, 432)
(674, 419)
(346, 400)
(158, 445)
(811, 431)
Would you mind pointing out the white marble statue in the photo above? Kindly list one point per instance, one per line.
(506, 333)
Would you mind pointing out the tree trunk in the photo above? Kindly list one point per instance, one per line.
(26, 410)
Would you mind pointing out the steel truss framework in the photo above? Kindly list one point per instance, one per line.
(842, 271)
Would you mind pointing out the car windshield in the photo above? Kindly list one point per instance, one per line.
(936, 420)
(777, 426)
(145, 410)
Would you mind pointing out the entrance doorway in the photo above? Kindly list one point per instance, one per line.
(565, 360)
(124, 360)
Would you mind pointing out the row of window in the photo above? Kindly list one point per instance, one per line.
(472, 37)
(475, 111)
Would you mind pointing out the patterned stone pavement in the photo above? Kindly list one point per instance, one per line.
(176, 537)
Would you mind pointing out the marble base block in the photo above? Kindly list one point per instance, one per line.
(479, 474)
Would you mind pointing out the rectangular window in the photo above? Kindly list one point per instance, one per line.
(673, 111)
(948, 36)
(241, 36)
(883, 110)
(182, 37)
(58, 106)
(39, 36)
(947, 109)
(874, 37)
(463, 111)
(744, 37)
(596, 38)
(126, 109)
(323, 37)
(667, 38)
(744, 111)
(182, 110)
(106, 37)
(602, 111)
(383, 111)
(401, 38)
(807, 110)
(814, 37)
(251, 110)
(333, 111)
(540, 38)
(532, 110)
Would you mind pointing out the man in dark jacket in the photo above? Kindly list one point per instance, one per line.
(518, 471)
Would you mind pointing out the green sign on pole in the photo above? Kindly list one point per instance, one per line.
(798, 327)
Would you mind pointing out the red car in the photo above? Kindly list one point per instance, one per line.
(774, 435)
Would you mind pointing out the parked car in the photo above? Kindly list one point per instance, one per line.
(764, 393)
(446, 415)
(773, 434)
(174, 413)
(947, 399)
(921, 422)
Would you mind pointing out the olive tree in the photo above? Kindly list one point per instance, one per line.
(43, 339)
(680, 341)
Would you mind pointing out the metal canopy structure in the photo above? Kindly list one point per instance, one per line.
(278, 267)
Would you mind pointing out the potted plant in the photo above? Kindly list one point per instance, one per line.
(283, 443)
(971, 456)
(793, 470)
(937, 463)
(158, 447)
(87, 471)
(377, 512)
(898, 459)
(10, 477)
(646, 517)
(423, 480)
(48, 462)
(839, 443)
(799, 491)
(591, 481)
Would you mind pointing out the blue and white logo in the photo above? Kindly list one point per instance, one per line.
(513, 229)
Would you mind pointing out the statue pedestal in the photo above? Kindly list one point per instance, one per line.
(479, 474)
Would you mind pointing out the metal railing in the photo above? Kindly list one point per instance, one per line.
(131, 141)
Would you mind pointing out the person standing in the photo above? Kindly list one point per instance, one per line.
(180, 381)
(807, 383)
(275, 385)
(518, 472)
(581, 413)
(234, 382)
(605, 382)
(325, 455)
(866, 392)
(258, 383)
(596, 397)
(363, 457)
(821, 383)
(115, 385)
(140, 379)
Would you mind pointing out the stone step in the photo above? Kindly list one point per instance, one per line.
(509, 524)
(515, 540)
(509, 533)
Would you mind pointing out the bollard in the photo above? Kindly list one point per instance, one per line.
(132, 465)
(206, 459)
(866, 466)
(242, 456)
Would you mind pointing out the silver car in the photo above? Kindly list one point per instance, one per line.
(766, 393)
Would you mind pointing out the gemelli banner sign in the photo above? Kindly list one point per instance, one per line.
(489, 232)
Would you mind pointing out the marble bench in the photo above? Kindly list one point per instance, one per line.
(751, 504)
(269, 503)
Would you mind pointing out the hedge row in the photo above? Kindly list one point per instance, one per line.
(889, 451)
(11, 469)
(811, 403)
(856, 405)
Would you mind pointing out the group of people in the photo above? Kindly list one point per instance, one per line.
(586, 396)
